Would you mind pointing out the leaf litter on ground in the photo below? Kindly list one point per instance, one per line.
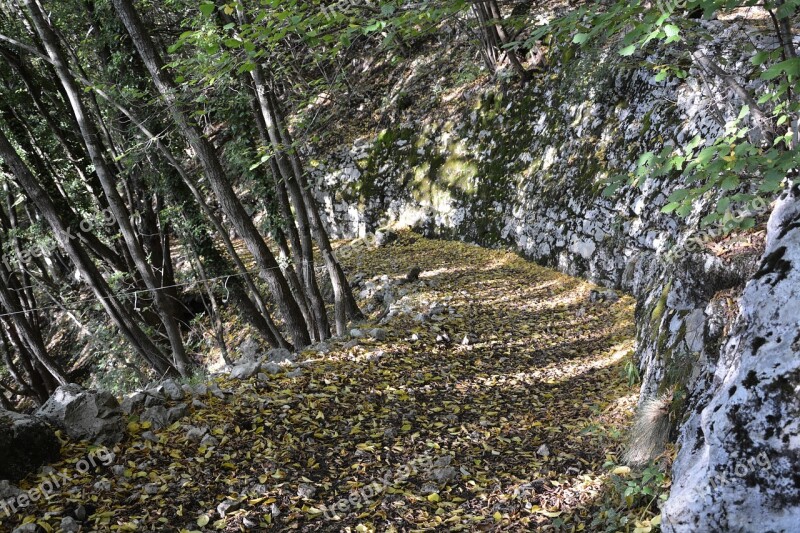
(490, 401)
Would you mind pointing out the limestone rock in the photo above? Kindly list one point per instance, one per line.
(245, 370)
(90, 415)
(737, 465)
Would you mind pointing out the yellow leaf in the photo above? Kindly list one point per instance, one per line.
(497, 516)
(203, 520)
(433, 497)
(621, 471)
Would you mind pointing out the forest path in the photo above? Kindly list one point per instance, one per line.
(421, 430)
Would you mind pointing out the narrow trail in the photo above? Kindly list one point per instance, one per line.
(492, 404)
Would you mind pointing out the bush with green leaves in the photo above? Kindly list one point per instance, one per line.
(755, 154)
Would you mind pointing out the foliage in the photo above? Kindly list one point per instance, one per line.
(634, 499)
(752, 155)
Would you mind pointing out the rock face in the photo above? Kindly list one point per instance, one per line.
(90, 415)
(737, 465)
(26, 444)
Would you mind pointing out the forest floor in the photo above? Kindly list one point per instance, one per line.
(495, 402)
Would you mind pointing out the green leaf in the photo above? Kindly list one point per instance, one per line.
(580, 38)
(790, 67)
(628, 50)
(671, 30)
(670, 207)
(206, 8)
(760, 58)
(730, 183)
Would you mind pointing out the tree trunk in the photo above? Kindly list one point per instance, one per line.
(141, 343)
(208, 158)
(280, 161)
(91, 140)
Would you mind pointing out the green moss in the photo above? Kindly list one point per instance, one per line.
(661, 306)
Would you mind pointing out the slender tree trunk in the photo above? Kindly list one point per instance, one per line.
(141, 343)
(208, 158)
(250, 308)
(338, 279)
(91, 140)
(280, 160)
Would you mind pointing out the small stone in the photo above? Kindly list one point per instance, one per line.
(7, 490)
(69, 525)
(248, 350)
(244, 371)
(209, 441)
(304, 490)
(172, 390)
(80, 513)
(200, 389)
(197, 404)
(280, 356)
(149, 435)
(227, 506)
(543, 451)
(196, 434)
(271, 368)
(444, 475)
(102, 485)
(275, 510)
(469, 339)
(118, 470)
(379, 334)
(429, 488)
(215, 391)
(355, 332)
(132, 402)
(413, 274)
(157, 416)
(151, 489)
(177, 412)
(152, 400)
(249, 524)
(384, 237)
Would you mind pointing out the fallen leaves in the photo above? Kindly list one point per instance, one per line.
(415, 430)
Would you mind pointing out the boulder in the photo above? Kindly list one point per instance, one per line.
(249, 350)
(157, 416)
(245, 370)
(171, 390)
(85, 415)
(132, 402)
(280, 356)
(26, 443)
